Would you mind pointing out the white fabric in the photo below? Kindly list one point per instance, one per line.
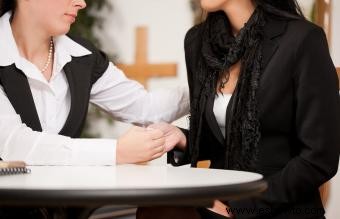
(220, 110)
(124, 99)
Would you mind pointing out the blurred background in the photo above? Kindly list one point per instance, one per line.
(151, 33)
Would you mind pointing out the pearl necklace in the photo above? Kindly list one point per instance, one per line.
(49, 58)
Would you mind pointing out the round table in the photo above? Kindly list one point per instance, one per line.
(138, 185)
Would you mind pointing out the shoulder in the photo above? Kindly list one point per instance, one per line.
(84, 42)
(293, 30)
(296, 35)
(302, 31)
(307, 37)
(303, 28)
(98, 55)
(97, 59)
(193, 36)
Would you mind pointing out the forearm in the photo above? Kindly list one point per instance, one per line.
(38, 148)
(128, 101)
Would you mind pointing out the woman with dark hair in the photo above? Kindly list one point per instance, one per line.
(264, 98)
(47, 80)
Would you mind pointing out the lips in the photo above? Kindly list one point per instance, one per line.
(72, 17)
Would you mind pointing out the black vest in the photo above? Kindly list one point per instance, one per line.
(81, 72)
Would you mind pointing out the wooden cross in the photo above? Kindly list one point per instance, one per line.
(323, 16)
(142, 70)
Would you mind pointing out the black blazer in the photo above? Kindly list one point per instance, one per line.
(299, 112)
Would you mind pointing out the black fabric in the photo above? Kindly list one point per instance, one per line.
(298, 111)
(32, 213)
(81, 72)
(17, 89)
(220, 50)
(46, 213)
(207, 214)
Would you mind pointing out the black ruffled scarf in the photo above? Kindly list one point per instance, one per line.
(221, 50)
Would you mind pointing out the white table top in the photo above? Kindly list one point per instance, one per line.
(122, 177)
(124, 181)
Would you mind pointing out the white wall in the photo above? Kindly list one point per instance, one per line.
(167, 22)
(333, 209)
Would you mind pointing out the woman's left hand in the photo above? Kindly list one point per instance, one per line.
(173, 136)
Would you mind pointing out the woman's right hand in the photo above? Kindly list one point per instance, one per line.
(174, 137)
(140, 145)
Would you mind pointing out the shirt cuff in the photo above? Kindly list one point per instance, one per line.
(94, 152)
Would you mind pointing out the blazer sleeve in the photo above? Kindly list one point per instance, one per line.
(177, 157)
(317, 128)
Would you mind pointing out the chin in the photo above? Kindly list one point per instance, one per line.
(62, 31)
(212, 5)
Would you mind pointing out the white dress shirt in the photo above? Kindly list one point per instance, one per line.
(126, 100)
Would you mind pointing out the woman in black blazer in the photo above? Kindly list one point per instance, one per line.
(282, 119)
(47, 81)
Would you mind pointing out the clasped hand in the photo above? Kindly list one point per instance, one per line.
(140, 144)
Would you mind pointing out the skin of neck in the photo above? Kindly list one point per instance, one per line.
(33, 45)
(238, 12)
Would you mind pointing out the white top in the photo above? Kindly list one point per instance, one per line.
(220, 109)
(124, 99)
(123, 177)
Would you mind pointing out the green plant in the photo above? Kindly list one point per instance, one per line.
(90, 18)
(86, 21)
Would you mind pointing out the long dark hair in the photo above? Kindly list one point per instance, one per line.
(285, 8)
(281, 8)
(7, 5)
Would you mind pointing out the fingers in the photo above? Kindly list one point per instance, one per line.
(155, 133)
(164, 127)
(157, 143)
(155, 156)
(149, 132)
(160, 149)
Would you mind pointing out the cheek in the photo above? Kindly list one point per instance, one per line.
(213, 5)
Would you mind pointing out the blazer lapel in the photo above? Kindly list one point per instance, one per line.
(78, 74)
(19, 93)
(70, 80)
(211, 119)
(273, 29)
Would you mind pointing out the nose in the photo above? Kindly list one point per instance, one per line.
(80, 4)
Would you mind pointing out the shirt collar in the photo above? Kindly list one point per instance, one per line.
(65, 47)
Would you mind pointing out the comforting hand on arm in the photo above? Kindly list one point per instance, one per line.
(140, 145)
(128, 101)
(174, 137)
(124, 99)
